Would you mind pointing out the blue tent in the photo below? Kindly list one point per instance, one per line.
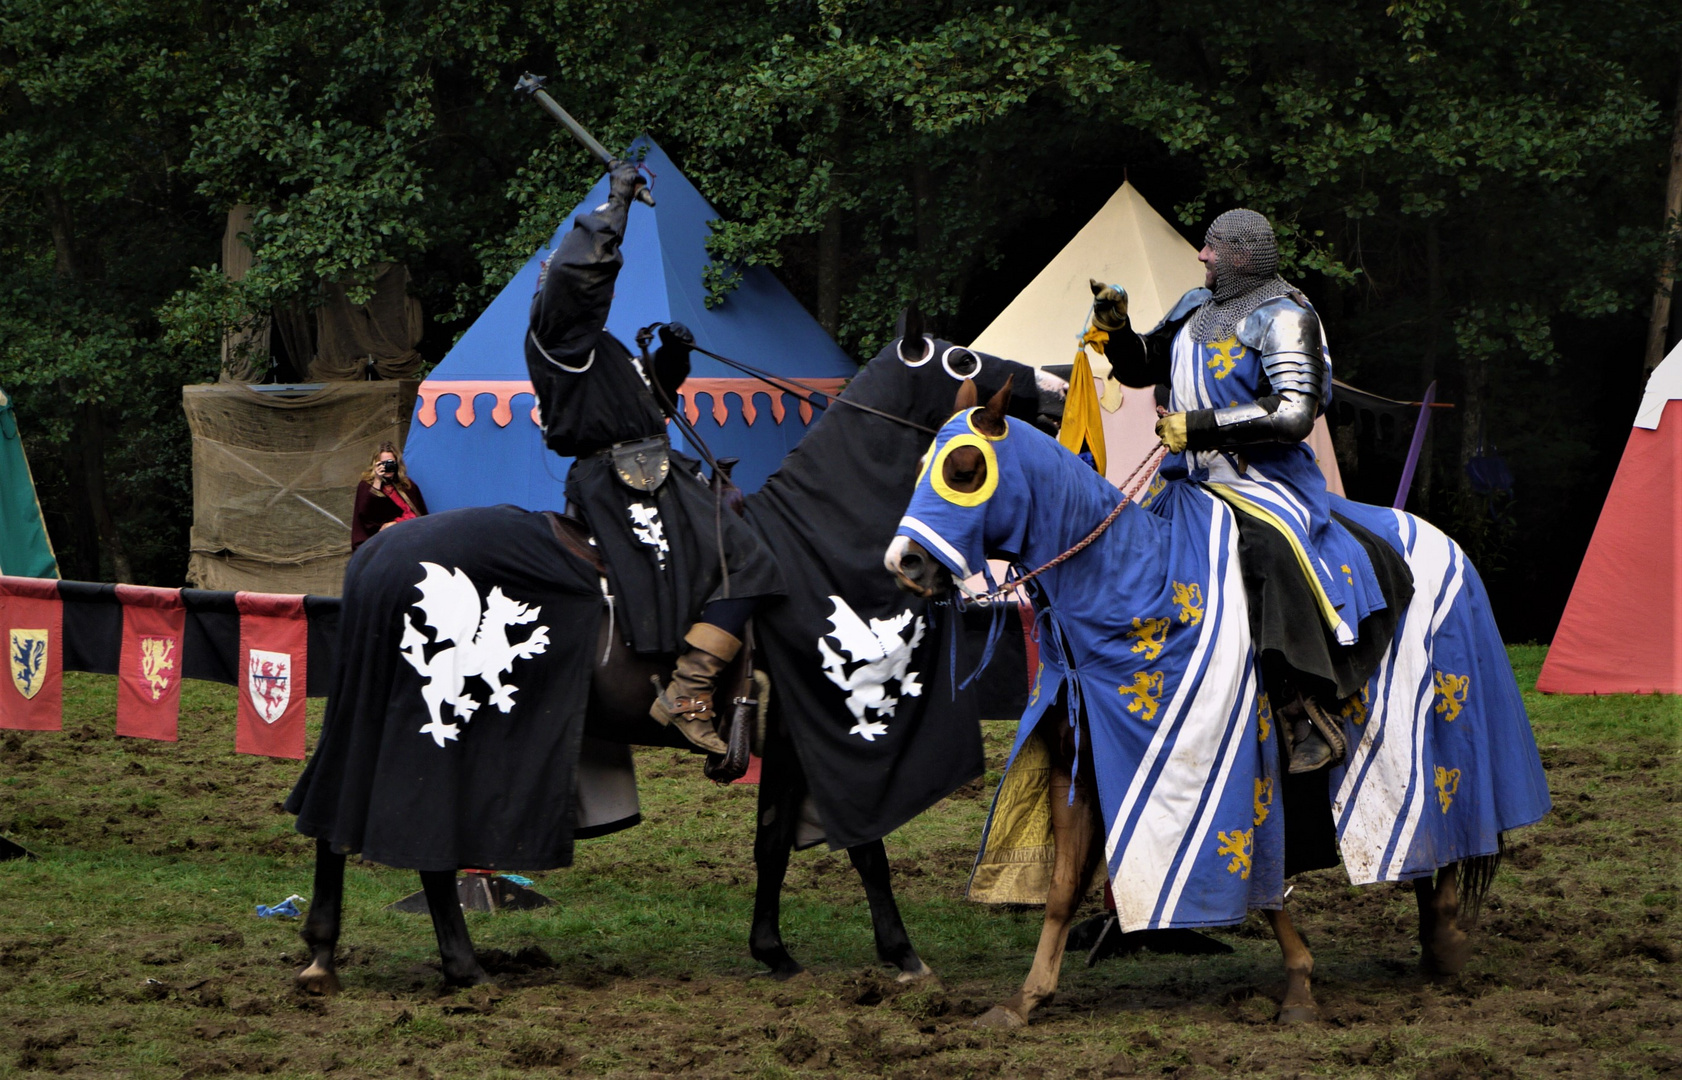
(475, 440)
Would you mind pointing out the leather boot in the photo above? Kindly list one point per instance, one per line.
(687, 703)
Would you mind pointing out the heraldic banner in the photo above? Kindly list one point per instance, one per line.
(31, 626)
(273, 650)
(150, 666)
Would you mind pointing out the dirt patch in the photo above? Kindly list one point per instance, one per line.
(131, 946)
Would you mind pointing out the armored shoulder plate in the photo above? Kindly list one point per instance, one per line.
(1287, 334)
(1183, 308)
(1282, 325)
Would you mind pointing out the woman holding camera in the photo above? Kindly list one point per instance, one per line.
(385, 496)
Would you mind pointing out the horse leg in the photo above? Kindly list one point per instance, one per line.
(321, 927)
(782, 786)
(893, 944)
(1444, 948)
(455, 947)
(1299, 1006)
(1074, 829)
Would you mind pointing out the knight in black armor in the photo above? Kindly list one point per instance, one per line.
(1247, 371)
(684, 568)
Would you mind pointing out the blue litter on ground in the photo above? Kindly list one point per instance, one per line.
(286, 909)
(516, 879)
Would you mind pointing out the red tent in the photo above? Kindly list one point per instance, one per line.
(1622, 628)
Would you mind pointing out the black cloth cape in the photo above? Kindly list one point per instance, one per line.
(500, 794)
(829, 514)
(1285, 622)
(660, 592)
(591, 396)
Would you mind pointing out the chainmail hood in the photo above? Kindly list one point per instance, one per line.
(1246, 258)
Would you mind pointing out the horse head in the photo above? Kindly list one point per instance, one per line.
(915, 376)
(962, 470)
(992, 487)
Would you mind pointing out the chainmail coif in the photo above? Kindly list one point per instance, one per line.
(1246, 258)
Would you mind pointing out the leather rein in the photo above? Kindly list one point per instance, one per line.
(1151, 461)
(811, 395)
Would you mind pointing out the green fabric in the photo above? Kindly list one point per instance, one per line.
(25, 550)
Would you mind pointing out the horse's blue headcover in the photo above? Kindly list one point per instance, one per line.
(1147, 633)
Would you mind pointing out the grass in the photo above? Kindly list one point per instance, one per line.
(130, 946)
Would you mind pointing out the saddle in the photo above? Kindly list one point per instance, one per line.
(743, 725)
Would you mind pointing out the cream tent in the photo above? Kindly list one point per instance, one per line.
(1132, 245)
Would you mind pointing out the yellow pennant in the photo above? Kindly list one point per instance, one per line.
(1082, 420)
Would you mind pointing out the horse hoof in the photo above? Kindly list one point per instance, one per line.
(920, 972)
(318, 979)
(1000, 1019)
(1447, 956)
(1299, 1014)
(476, 977)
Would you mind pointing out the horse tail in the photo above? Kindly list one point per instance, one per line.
(1477, 874)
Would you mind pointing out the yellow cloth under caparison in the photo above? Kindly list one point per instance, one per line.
(1018, 851)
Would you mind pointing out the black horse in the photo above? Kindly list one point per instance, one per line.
(853, 732)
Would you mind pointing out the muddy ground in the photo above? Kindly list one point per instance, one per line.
(129, 947)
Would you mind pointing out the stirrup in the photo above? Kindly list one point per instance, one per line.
(1327, 728)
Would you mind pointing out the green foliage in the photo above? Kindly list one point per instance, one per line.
(939, 139)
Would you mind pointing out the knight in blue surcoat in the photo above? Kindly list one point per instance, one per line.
(1248, 371)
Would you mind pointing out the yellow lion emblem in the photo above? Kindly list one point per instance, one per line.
(1151, 634)
(1264, 718)
(157, 663)
(1239, 843)
(1264, 798)
(1189, 599)
(1147, 694)
(1224, 356)
(1451, 694)
(1356, 706)
(1448, 783)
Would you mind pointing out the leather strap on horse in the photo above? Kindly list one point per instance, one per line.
(1151, 460)
(732, 765)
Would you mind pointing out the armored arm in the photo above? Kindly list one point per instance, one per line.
(576, 288)
(1288, 337)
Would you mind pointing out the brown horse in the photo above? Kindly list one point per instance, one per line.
(997, 489)
(807, 518)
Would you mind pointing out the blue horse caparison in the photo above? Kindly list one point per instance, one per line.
(1149, 708)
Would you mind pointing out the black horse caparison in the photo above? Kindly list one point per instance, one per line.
(900, 381)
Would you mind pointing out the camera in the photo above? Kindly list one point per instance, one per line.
(388, 468)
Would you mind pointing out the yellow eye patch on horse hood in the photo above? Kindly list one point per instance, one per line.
(937, 471)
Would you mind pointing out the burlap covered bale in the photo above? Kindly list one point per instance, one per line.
(274, 479)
